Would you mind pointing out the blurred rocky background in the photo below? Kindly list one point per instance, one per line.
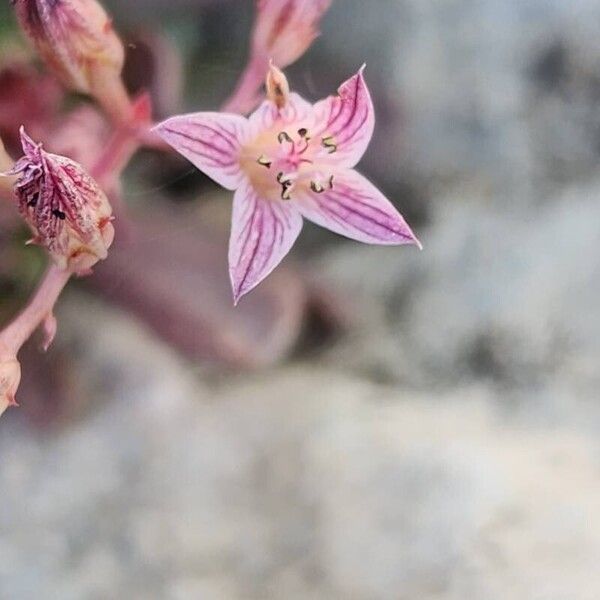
(441, 441)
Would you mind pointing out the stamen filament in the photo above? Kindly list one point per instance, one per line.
(283, 136)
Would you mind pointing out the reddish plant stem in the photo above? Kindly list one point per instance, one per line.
(246, 95)
(117, 153)
(20, 329)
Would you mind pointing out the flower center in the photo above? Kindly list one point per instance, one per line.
(280, 162)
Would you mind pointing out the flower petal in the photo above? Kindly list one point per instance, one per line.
(355, 208)
(262, 233)
(210, 141)
(346, 121)
(296, 111)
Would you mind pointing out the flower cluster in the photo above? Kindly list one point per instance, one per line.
(287, 161)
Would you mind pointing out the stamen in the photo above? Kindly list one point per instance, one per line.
(316, 187)
(306, 146)
(286, 184)
(59, 214)
(284, 137)
(303, 132)
(286, 189)
(331, 182)
(283, 178)
(329, 143)
(264, 161)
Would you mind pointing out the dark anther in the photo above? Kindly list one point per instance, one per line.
(284, 137)
(59, 214)
(286, 184)
(302, 132)
(264, 161)
(316, 187)
(331, 182)
(285, 192)
(329, 143)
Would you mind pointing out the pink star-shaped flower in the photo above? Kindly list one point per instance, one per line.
(290, 159)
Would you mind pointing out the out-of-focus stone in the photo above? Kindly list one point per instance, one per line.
(342, 489)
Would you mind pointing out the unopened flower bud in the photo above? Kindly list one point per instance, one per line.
(10, 377)
(285, 29)
(278, 88)
(65, 208)
(76, 40)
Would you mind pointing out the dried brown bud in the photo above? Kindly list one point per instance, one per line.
(67, 211)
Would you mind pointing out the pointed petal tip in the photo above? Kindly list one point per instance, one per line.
(157, 128)
(360, 74)
(238, 292)
(410, 239)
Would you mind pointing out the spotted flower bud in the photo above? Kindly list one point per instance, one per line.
(76, 40)
(285, 29)
(10, 377)
(65, 208)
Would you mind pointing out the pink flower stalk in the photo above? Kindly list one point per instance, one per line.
(290, 160)
(65, 208)
(76, 40)
(38, 312)
(283, 31)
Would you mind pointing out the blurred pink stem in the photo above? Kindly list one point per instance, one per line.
(20, 329)
(118, 151)
(246, 95)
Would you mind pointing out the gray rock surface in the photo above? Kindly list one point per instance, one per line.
(297, 483)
